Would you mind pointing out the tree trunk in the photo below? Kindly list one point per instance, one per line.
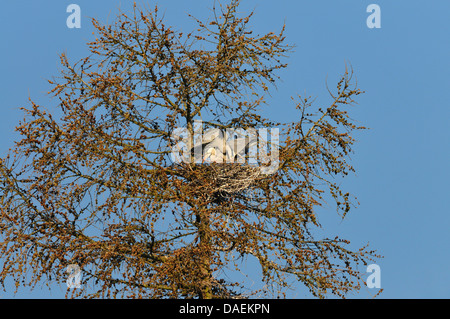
(205, 256)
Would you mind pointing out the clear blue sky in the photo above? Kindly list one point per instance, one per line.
(402, 180)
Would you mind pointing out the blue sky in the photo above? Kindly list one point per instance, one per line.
(402, 179)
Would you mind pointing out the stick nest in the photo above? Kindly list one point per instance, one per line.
(222, 180)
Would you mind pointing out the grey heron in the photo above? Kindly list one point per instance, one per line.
(217, 146)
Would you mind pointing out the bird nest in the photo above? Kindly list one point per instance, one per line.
(222, 157)
(232, 178)
(220, 180)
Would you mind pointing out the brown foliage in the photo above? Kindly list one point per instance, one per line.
(96, 186)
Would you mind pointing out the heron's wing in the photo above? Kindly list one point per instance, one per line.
(229, 153)
(219, 143)
(211, 135)
(241, 145)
